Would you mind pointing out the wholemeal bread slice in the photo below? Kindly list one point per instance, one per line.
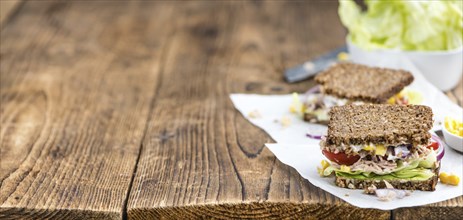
(379, 124)
(425, 185)
(360, 82)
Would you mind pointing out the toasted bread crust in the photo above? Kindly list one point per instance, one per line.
(379, 124)
(426, 185)
(360, 82)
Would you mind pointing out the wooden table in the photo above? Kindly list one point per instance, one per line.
(120, 109)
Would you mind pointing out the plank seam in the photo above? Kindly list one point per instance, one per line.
(267, 187)
(163, 56)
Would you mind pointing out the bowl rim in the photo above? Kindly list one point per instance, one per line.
(450, 133)
(414, 52)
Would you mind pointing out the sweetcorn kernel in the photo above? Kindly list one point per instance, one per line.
(343, 56)
(254, 114)
(449, 179)
(369, 147)
(454, 126)
(443, 176)
(285, 121)
(296, 106)
(292, 109)
(391, 100)
(406, 96)
(325, 164)
(414, 97)
(380, 150)
(453, 180)
(447, 122)
(345, 168)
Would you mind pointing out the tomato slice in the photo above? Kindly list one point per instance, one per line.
(401, 101)
(433, 145)
(341, 158)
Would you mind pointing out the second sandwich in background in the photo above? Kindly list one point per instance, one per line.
(349, 83)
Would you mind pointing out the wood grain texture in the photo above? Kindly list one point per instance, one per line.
(200, 157)
(76, 88)
(456, 94)
(450, 209)
(92, 93)
(7, 7)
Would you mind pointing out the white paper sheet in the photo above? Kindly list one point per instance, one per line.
(302, 153)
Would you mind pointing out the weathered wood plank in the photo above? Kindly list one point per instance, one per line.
(7, 7)
(76, 88)
(456, 94)
(450, 209)
(201, 158)
(77, 80)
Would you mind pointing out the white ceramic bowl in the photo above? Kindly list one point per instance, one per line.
(454, 141)
(443, 69)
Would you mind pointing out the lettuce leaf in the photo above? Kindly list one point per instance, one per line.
(415, 170)
(429, 161)
(403, 24)
(406, 174)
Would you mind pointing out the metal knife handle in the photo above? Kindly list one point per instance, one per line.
(311, 68)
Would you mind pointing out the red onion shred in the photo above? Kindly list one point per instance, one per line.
(317, 131)
(441, 149)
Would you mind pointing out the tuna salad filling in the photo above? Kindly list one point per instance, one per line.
(395, 151)
(319, 104)
(380, 162)
(380, 165)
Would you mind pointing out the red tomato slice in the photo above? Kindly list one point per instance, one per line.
(402, 101)
(341, 158)
(433, 145)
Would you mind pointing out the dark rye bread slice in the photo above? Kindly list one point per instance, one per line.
(424, 185)
(360, 82)
(379, 124)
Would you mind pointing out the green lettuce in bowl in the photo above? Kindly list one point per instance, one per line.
(404, 24)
